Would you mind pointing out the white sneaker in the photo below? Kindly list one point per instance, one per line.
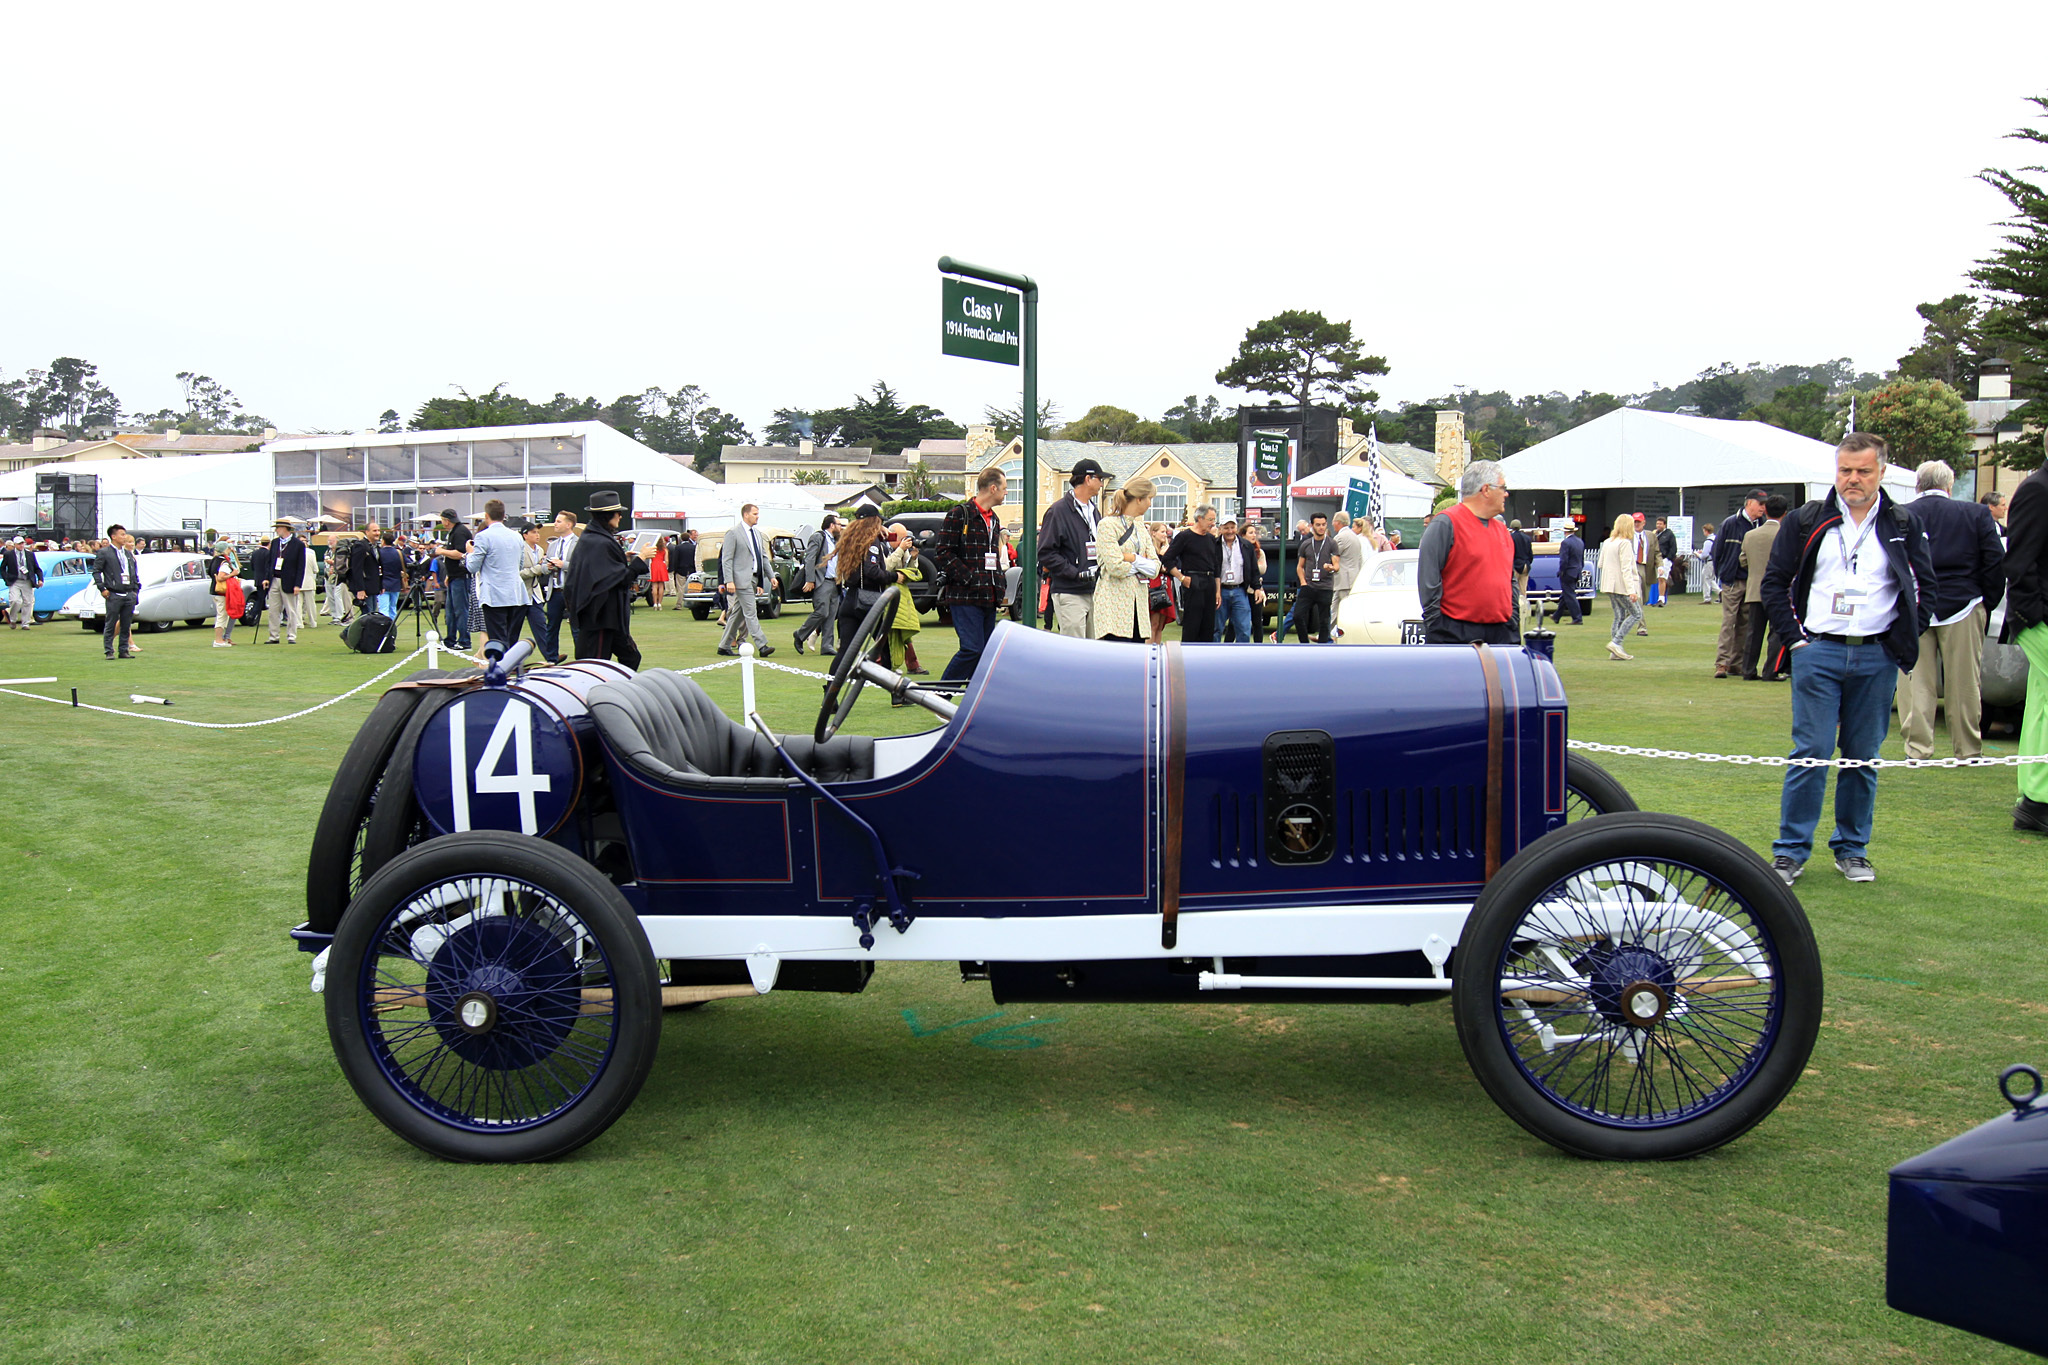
(223, 644)
(1616, 650)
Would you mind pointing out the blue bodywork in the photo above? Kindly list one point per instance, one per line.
(1967, 1243)
(1077, 734)
(65, 573)
(1543, 579)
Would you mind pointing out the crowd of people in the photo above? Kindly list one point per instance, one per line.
(1848, 597)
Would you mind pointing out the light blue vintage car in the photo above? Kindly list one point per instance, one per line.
(64, 573)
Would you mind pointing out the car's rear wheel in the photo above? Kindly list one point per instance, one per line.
(195, 620)
(1637, 987)
(493, 998)
(772, 608)
(700, 613)
(334, 865)
(1590, 789)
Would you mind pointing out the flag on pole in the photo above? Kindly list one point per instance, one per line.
(1852, 412)
(1374, 508)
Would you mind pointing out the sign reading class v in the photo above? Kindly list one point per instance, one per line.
(981, 322)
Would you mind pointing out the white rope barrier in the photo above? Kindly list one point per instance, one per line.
(1775, 761)
(223, 725)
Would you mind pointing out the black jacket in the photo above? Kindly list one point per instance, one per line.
(110, 565)
(599, 582)
(288, 569)
(1728, 547)
(2026, 555)
(17, 563)
(1790, 573)
(1063, 540)
(1248, 556)
(1969, 561)
(1525, 549)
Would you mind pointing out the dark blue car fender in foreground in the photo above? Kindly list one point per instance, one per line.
(1967, 1243)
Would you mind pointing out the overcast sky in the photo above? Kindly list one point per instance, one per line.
(342, 208)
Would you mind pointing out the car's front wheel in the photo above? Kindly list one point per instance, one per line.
(1637, 987)
(491, 997)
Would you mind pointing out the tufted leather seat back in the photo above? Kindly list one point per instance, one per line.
(668, 727)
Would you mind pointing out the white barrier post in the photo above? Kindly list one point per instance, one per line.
(746, 677)
(433, 649)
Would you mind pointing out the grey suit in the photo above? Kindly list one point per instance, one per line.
(749, 575)
(824, 592)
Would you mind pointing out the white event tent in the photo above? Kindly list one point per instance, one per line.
(1631, 448)
(227, 493)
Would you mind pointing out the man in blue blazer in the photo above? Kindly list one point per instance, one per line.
(1969, 583)
(287, 571)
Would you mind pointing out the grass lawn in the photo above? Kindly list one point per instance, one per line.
(913, 1174)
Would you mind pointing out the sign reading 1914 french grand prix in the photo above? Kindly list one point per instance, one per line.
(981, 321)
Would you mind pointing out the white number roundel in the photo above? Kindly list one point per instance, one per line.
(494, 759)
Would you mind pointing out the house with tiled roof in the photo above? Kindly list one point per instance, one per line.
(1183, 476)
(49, 446)
(946, 458)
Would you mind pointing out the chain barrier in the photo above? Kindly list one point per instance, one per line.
(224, 725)
(1775, 761)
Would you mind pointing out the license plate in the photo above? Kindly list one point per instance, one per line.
(1412, 632)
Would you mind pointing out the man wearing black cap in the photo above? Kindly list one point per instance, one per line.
(599, 585)
(1066, 551)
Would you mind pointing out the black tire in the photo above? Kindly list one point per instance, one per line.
(771, 610)
(394, 823)
(1590, 789)
(432, 948)
(1675, 949)
(700, 613)
(90, 624)
(195, 620)
(333, 868)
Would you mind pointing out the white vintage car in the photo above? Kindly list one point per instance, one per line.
(174, 588)
(1384, 600)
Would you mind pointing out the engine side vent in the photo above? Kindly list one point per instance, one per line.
(1301, 796)
(1409, 824)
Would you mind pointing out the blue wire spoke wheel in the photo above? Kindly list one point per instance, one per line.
(493, 998)
(1637, 987)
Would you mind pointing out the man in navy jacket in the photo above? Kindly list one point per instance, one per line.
(279, 587)
(1969, 582)
(1571, 562)
(1850, 585)
(1728, 568)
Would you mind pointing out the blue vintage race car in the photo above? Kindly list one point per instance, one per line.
(515, 872)
(1968, 1234)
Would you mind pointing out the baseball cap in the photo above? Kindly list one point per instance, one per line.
(1086, 468)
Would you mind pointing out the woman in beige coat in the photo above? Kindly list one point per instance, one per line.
(1124, 566)
(1622, 581)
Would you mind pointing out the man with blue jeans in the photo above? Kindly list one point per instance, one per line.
(969, 551)
(1239, 579)
(455, 581)
(1850, 583)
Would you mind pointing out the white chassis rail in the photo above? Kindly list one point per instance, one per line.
(1328, 931)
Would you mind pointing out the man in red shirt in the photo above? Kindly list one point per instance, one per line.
(1466, 568)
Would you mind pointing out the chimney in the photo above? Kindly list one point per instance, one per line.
(1451, 447)
(804, 447)
(1994, 380)
(270, 433)
(981, 439)
(46, 437)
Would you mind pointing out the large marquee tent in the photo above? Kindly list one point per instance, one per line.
(1670, 463)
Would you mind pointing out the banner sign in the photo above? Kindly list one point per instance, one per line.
(1272, 467)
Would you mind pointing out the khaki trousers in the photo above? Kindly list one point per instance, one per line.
(284, 611)
(1074, 614)
(1956, 651)
(1734, 620)
(2033, 641)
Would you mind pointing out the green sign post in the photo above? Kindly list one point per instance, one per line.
(1269, 456)
(979, 322)
(988, 330)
